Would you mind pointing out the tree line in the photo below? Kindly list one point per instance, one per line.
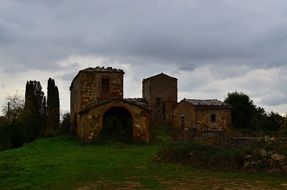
(36, 116)
(252, 119)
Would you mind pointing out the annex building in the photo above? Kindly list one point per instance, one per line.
(99, 109)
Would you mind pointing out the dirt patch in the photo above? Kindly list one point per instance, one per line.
(128, 185)
(185, 184)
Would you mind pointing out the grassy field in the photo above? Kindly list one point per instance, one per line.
(62, 163)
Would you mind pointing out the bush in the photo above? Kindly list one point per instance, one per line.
(4, 136)
(17, 135)
(11, 135)
(202, 155)
(161, 133)
(254, 156)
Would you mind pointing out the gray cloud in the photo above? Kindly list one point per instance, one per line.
(172, 31)
(216, 42)
(274, 99)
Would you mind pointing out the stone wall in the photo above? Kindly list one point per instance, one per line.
(86, 89)
(91, 121)
(222, 120)
(184, 116)
(158, 90)
(188, 117)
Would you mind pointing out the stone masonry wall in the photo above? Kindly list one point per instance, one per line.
(184, 116)
(91, 89)
(188, 117)
(222, 122)
(91, 122)
(86, 89)
(158, 90)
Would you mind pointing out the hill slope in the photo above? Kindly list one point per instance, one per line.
(61, 163)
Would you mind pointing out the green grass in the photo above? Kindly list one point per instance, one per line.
(62, 163)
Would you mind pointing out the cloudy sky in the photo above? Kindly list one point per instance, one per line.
(212, 46)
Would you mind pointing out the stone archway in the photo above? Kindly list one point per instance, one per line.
(117, 125)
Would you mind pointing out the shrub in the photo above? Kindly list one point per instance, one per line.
(17, 135)
(161, 133)
(253, 156)
(202, 155)
(4, 135)
(11, 135)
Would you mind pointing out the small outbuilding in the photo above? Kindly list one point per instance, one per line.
(202, 115)
(126, 120)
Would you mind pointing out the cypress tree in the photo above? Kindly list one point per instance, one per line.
(53, 109)
(34, 110)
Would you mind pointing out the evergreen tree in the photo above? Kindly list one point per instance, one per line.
(53, 109)
(65, 126)
(243, 109)
(246, 115)
(34, 114)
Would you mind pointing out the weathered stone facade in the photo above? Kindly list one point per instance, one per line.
(91, 119)
(202, 115)
(97, 98)
(94, 91)
(160, 91)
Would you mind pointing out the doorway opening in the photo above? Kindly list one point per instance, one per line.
(117, 125)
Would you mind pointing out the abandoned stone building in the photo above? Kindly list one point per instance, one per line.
(160, 92)
(99, 109)
(198, 116)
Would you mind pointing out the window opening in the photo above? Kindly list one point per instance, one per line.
(213, 118)
(182, 122)
(105, 86)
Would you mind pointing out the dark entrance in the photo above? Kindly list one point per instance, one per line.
(117, 125)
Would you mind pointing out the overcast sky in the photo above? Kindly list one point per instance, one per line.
(212, 46)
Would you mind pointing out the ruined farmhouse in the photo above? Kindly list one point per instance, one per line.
(99, 109)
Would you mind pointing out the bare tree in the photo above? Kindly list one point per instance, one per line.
(14, 106)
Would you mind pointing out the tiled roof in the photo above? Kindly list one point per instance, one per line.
(208, 103)
(138, 101)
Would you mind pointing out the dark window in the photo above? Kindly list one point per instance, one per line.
(182, 122)
(213, 118)
(105, 86)
(157, 101)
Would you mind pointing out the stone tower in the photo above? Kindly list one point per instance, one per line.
(160, 91)
(94, 85)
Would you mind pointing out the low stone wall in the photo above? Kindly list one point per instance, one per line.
(271, 161)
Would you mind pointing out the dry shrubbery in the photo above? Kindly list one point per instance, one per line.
(257, 156)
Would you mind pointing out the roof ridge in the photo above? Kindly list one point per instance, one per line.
(158, 75)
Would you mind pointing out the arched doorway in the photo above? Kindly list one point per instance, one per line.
(117, 125)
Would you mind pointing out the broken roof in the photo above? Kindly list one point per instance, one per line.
(102, 70)
(98, 70)
(207, 103)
